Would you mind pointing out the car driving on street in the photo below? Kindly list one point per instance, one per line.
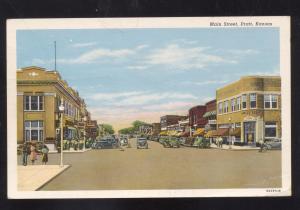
(105, 143)
(141, 143)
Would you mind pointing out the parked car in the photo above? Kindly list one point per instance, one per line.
(272, 144)
(141, 143)
(105, 143)
(201, 142)
(154, 138)
(170, 142)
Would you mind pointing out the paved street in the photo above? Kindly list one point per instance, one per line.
(167, 168)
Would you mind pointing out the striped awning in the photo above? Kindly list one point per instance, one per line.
(163, 133)
(211, 133)
(211, 113)
(199, 132)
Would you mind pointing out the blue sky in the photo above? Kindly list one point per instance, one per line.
(129, 74)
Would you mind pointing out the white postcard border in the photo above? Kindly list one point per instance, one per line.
(283, 23)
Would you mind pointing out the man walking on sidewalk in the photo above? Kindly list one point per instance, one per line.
(25, 153)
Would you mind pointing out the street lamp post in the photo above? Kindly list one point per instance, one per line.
(61, 111)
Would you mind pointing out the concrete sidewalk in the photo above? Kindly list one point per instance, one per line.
(234, 147)
(32, 177)
(71, 151)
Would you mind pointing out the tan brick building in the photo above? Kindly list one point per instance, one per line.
(250, 108)
(39, 94)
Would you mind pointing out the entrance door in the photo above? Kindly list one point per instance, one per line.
(249, 132)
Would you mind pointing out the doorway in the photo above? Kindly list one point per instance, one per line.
(249, 132)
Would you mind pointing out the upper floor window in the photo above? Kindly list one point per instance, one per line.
(238, 103)
(34, 103)
(233, 105)
(226, 107)
(253, 100)
(270, 101)
(220, 108)
(244, 101)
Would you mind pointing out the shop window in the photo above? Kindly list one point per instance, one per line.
(270, 101)
(233, 105)
(34, 130)
(244, 101)
(220, 108)
(34, 103)
(239, 103)
(270, 129)
(253, 100)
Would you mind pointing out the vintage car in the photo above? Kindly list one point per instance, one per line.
(201, 142)
(123, 141)
(141, 143)
(170, 142)
(272, 144)
(105, 143)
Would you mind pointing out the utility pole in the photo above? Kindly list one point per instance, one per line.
(54, 55)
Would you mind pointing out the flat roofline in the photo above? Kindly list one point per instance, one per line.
(251, 76)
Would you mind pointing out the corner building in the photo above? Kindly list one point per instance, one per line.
(39, 94)
(250, 108)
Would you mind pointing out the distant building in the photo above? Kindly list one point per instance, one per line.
(155, 129)
(167, 120)
(211, 115)
(145, 129)
(196, 118)
(250, 108)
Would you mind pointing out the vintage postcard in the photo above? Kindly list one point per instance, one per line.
(149, 107)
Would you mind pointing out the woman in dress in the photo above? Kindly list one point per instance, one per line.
(32, 153)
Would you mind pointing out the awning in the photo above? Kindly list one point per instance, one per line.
(163, 133)
(179, 134)
(172, 133)
(199, 132)
(185, 134)
(211, 133)
(210, 113)
(235, 132)
(223, 132)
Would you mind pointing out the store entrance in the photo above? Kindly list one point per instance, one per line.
(249, 132)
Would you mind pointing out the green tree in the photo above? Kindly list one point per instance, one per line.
(108, 128)
(136, 124)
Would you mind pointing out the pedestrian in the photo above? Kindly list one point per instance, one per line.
(25, 154)
(221, 142)
(32, 154)
(45, 151)
(261, 144)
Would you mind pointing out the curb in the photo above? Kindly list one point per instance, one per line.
(38, 189)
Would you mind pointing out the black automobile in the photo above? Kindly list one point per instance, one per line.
(123, 141)
(141, 143)
(109, 143)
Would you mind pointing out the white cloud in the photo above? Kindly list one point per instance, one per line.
(207, 82)
(176, 57)
(86, 44)
(185, 41)
(112, 96)
(137, 67)
(170, 106)
(154, 97)
(38, 62)
(243, 52)
(143, 46)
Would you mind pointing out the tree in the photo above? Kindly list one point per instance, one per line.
(108, 128)
(136, 124)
